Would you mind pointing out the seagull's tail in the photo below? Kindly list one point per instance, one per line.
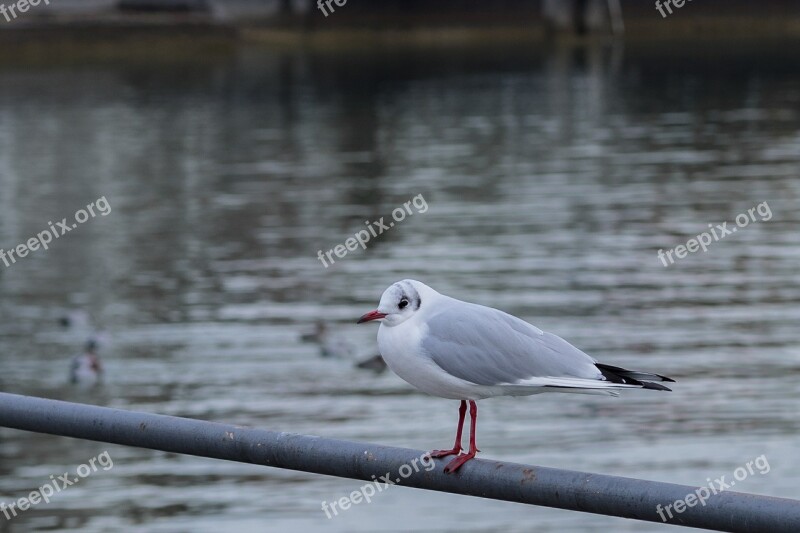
(615, 380)
(616, 374)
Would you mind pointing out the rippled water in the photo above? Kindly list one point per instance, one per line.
(552, 178)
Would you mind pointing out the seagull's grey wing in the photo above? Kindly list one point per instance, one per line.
(489, 347)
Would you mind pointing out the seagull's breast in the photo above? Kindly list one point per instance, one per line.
(401, 348)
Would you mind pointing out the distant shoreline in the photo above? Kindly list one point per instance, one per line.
(112, 34)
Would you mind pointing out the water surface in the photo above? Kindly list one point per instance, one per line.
(552, 178)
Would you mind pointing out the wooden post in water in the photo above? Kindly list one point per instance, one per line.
(580, 17)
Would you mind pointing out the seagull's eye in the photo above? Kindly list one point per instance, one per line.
(403, 303)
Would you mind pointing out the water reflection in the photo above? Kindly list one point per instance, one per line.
(553, 177)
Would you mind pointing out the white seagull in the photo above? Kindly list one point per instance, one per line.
(464, 351)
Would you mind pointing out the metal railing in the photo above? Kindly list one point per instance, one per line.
(535, 485)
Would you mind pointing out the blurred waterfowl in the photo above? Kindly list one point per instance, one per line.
(85, 368)
(330, 344)
(336, 346)
(79, 325)
(75, 319)
(315, 336)
(374, 363)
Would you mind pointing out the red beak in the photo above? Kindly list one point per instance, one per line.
(372, 315)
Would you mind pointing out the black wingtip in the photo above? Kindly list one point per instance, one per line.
(616, 374)
(654, 386)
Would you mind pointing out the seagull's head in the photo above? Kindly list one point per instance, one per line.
(399, 302)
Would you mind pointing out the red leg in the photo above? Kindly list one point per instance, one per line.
(462, 411)
(456, 463)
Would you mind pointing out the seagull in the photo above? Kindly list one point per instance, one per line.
(468, 352)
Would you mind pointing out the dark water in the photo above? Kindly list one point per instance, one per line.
(551, 178)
